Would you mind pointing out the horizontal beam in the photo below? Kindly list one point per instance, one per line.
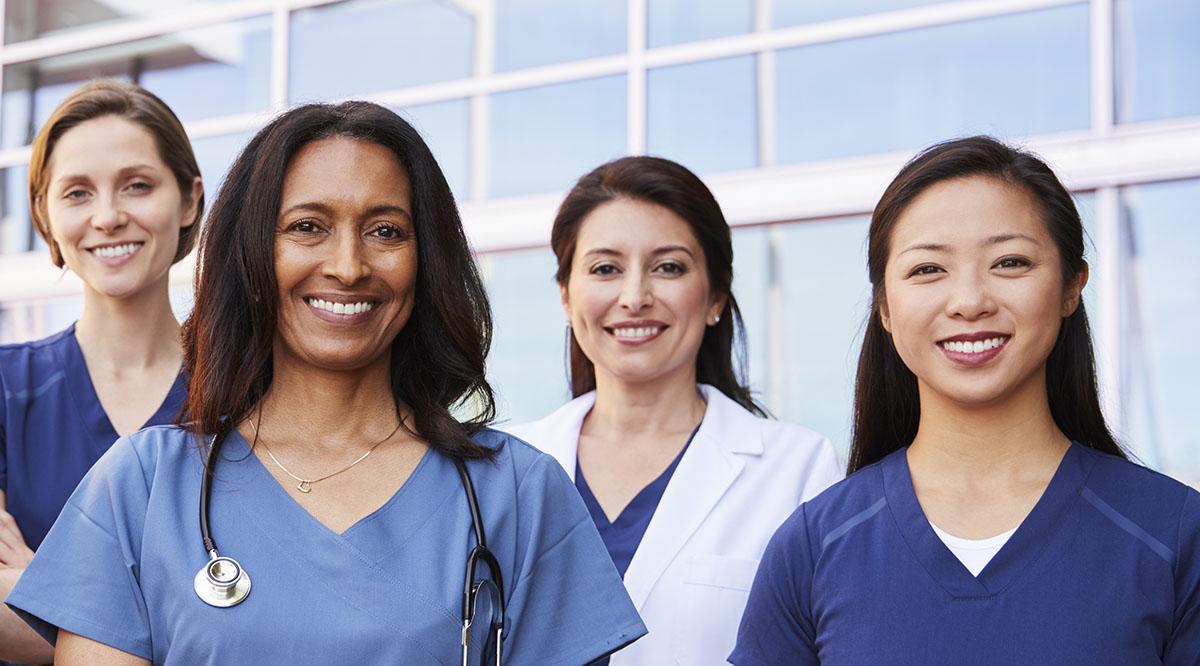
(1130, 155)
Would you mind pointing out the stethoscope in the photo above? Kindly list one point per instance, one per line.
(223, 583)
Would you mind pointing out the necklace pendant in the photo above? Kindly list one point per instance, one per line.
(304, 487)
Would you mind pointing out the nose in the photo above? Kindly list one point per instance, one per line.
(970, 298)
(635, 292)
(109, 217)
(347, 262)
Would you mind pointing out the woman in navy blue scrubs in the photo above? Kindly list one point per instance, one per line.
(990, 517)
(115, 191)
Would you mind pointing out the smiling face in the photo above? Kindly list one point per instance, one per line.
(638, 296)
(974, 291)
(345, 255)
(114, 207)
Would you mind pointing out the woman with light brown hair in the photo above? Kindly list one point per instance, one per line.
(115, 192)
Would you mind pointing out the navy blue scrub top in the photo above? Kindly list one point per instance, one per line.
(53, 428)
(623, 535)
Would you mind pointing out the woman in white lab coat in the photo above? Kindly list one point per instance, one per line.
(684, 475)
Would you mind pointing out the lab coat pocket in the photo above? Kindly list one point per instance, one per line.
(715, 590)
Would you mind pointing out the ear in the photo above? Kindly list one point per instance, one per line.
(565, 301)
(193, 203)
(885, 317)
(1073, 293)
(716, 305)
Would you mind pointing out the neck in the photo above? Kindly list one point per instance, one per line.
(668, 405)
(1011, 438)
(133, 333)
(322, 410)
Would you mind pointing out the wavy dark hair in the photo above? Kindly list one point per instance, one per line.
(721, 361)
(437, 359)
(887, 407)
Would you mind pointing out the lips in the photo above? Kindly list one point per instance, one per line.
(342, 308)
(636, 332)
(974, 349)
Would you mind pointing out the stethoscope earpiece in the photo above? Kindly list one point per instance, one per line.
(222, 582)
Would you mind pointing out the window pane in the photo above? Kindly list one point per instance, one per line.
(797, 12)
(33, 320)
(543, 32)
(444, 126)
(678, 21)
(16, 228)
(1160, 358)
(27, 19)
(200, 73)
(1010, 76)
(362, 47)
(544, 139)
(703, 114)
(215, 154)
(751, 286)
(826, 297)
(526, 367)
(1157, 55)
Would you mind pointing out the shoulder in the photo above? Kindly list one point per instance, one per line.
(543, 432)
(1154, 503)
(849, 502)
(25, 358)
(144, 453)
(515, 459)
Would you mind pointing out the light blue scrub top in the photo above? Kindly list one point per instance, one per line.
(118, 565)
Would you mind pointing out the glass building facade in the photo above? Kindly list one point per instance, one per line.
(796, 112)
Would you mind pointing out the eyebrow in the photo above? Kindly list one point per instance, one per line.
(666, 249)
(990, 240)
(324, 209)
(123, 171)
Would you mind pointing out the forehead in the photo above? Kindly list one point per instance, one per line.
(631, 226)
(347, 171)
(103, 144)
(965, 211)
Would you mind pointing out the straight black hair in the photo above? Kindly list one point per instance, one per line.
(670, 185)
(887, 406)
(437, 359)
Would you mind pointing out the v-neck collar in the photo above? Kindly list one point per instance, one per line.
(1022, 550)
(87, 401)
(650, 494)
(419, 482)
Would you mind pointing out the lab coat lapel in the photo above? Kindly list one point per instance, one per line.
(708, 468)
(558, 433)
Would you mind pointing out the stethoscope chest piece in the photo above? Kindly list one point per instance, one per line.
(222, 582)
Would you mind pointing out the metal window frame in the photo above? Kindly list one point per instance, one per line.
(1103, 158)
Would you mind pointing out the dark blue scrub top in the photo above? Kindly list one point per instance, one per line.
(53, 428)
(623, 535)
(1104, 570)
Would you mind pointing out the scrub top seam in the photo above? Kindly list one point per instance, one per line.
(908, 546)
(586, 522)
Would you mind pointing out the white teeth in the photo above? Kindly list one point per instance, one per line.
(340, 308)
(975, 347)
(116, 250)
(634, 333)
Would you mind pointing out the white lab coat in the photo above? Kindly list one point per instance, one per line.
(740, 478)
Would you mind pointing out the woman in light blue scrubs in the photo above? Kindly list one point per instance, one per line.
(339, 319)
(115, 192)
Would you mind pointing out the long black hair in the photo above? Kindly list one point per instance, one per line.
(670, 185)
(887, 407)
(437, 359)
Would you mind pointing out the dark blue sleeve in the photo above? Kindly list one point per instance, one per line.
(777, 626)
(3, 433)
(1184, 644)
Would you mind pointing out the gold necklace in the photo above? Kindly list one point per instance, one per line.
(305, 485)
